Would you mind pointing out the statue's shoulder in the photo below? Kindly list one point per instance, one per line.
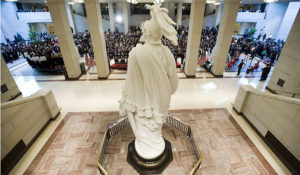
(138, 49)
(167, 49)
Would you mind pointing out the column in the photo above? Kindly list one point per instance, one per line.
(69, 15)
(171, 8)
(125, 16)
(166, 5)
(218, 14)
(73, 18)
(97, 35)
(285, 77)
(9, 88)
(195, 30)
(62, 30)
(111, 16)
(179, 13)
(220, 52)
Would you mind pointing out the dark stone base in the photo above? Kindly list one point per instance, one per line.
(216, 76)
(17, 152)
(149, 166)
(269, 89)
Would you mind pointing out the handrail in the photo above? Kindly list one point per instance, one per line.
(276, 97)
(38, 95)
(286, 92)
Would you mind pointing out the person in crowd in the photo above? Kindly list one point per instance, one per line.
(264, 36)
(255, 67)
(240, 66)
(265, 72)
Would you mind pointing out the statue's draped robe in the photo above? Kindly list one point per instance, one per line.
(151, 80)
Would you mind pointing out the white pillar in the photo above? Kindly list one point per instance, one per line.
(166, 5)
(179, 13)
(9, 88)
(70, 15)
(125, 16)
(228, 20)
(73, 18)
(97, 35)
(171, 8)
(287, 69)
(111, 16)
(195, 30)
(62, 30)
(218, 14)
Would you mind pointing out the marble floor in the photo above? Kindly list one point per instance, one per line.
(102, 95)
(224, 146)
(91, 95)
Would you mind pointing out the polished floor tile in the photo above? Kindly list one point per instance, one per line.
(103, 95)
(226, 149)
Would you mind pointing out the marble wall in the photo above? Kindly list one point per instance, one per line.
(287, 67)
(275, 113)
(81, 23)
(39, 27)
(8, 81)
(23, 118)
(288, 20)
(10, 23)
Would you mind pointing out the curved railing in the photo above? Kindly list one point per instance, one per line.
(122, 123)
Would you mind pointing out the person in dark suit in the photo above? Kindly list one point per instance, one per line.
(240, 66)
(265, 72)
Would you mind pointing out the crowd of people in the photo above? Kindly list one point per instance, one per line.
(118, 46)
(44, 52)
(45, 47)
(268, 50)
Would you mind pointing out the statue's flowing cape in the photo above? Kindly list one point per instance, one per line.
(151, 79)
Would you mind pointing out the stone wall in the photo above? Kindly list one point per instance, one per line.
(285, 77)
(81, 23)
(10, 23)
(288, 20)
(273, 19)
(39, 27)
(208, 21)
(22, 119)
(268, 112)
(7, 81)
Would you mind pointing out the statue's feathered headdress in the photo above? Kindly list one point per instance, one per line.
(161, 22)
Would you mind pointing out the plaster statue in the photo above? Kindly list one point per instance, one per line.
(151, 80)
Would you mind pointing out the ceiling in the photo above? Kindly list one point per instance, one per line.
(184, 1)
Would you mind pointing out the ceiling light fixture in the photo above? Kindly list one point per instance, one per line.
(71, 2)
(119, 18)
(12, 0)
(217, 2)
(270, 1)
(210, 1)
(132, 1)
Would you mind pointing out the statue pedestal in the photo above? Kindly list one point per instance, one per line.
(149, 166)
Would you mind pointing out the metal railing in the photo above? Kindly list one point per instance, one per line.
(173, 121)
